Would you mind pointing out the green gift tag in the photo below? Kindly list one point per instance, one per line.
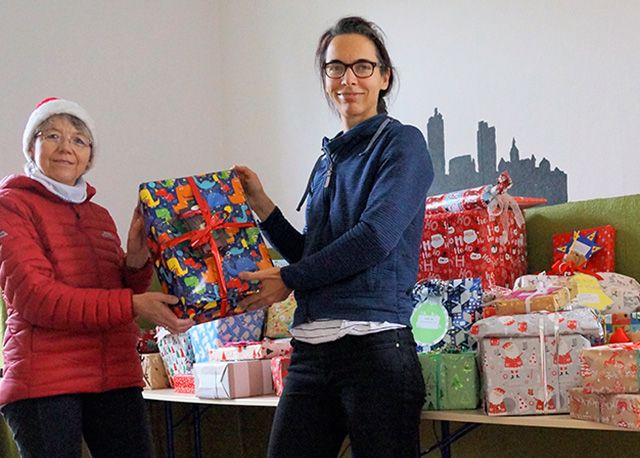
(430, 322)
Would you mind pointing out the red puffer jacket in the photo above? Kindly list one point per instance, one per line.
(68, 293)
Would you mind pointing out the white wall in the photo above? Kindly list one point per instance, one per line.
(185, 87)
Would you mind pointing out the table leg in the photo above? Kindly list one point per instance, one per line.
(196, 430)
(168, 426)
(445, 444)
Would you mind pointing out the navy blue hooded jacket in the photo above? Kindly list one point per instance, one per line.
(358, 256)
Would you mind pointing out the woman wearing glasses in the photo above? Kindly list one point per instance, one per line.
(354, 369)
(71, 367)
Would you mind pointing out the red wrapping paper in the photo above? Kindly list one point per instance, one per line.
(601, 261)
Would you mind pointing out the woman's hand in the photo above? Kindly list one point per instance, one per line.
(272, 289)
(155, 308)
(137, 251)
(258, 200)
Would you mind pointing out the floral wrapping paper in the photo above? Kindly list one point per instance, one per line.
(584, 406)
(183, 383)
(279, 371)
(237, 351)
(154, 373)
(462, 298)
(474, 233)
(451, 380)
(216, 333)
(611, 368)
(232, 379)
(530, 375)
(280, 317)
(601, 261)
(176, 352)
(201, 234)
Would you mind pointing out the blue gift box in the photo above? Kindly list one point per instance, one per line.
(216, 333)
(462, 299)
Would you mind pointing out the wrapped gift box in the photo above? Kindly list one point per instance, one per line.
(462, 299)
(451, 380)
(530, 375)
(232, 379)
(622, 410)
(477, 232)
(579, 321)
(584, 406)
(239, 351)
(176, 352)
(611, 368)
(519, 302)
(629, 322)
(216, 333)
(279, 370)
(529, 362)
(202, 234)
(183, 383)
(622, 290)
(154, 373)
(279, 318)
(604, 237)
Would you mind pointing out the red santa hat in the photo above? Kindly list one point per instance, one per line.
(54, 106)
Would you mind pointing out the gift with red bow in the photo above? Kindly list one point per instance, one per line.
(201, 234)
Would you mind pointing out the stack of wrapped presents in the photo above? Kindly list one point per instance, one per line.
(201, 234)
(489, 335)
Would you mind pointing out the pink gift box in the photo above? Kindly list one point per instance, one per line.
(232, 379)
(279, 370)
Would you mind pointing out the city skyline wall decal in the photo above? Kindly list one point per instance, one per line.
(529, 179)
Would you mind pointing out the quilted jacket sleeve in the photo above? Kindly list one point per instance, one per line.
(31, 288)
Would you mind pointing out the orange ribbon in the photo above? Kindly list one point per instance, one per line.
(561, 267)
(204, 235)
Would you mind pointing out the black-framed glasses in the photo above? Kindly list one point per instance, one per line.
(362, 68)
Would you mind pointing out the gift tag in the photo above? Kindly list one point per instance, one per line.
(430, 321)
(590, 293)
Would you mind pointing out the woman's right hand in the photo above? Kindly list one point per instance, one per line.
(258, 200)
(154, 307)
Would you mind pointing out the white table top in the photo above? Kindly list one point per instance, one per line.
(461, 416)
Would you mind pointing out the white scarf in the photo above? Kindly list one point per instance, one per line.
(76, 193)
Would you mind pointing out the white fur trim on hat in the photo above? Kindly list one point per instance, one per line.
(53, 106)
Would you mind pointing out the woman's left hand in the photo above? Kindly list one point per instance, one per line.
(272, 289)
(137, 251)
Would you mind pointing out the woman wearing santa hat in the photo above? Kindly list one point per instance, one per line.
(71, 368)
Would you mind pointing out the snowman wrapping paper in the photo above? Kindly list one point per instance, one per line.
(529, 362)
(477, 232)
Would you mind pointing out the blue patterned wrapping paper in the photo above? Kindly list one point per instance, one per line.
(216, 333)
(463, 300)
(208, 210)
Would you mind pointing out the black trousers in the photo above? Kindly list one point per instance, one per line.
(113, 424)
(369, 387)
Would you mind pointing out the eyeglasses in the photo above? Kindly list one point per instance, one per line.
(361, 68)
(55, 137)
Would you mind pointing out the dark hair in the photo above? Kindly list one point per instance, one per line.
(360, 26)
